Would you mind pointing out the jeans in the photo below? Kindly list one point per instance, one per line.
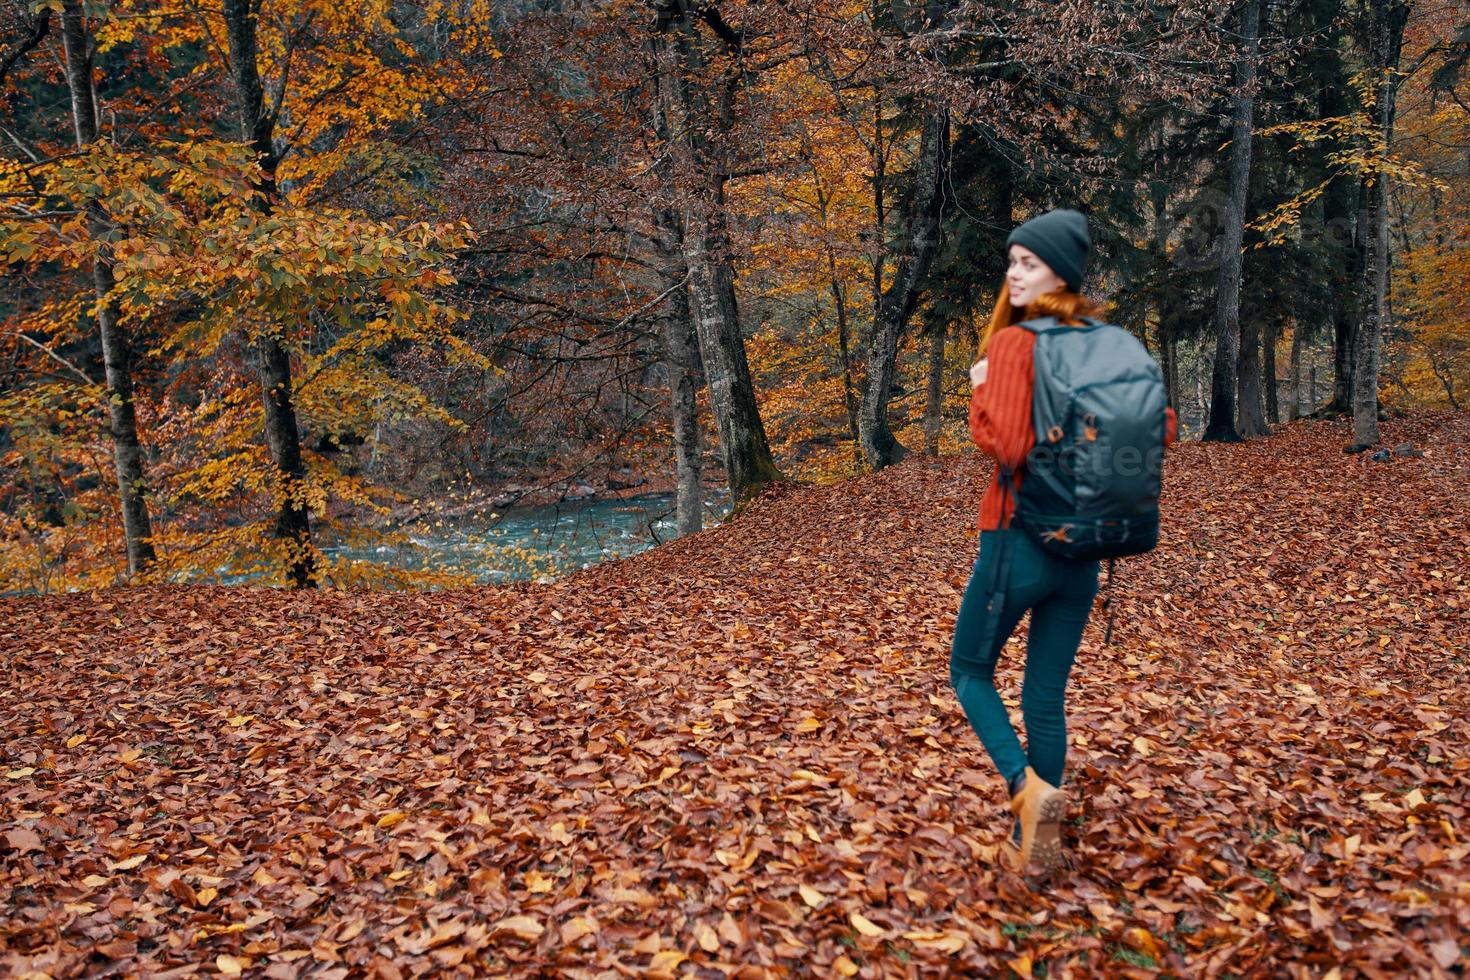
(1059, 594)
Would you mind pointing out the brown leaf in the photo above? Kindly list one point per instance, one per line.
(523, 926)
(23, 840)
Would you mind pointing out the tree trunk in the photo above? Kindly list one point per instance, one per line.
(844, 348)
(896, 304)
(681, 357)
(689, 113)
(1385, 38)
(681, 348)
(1294, 410)
(272, 358)
(934, 402)
(1268, 368)
(844, 345)
(127, 453)
(1340, 232)
(1344, 231)
(1250, 385)
(1221, 425)
(681, 352)
(1164, 302)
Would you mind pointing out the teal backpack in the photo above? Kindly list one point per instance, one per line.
(1094, 475)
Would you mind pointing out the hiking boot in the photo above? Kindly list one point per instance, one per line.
(1010, 849)
(1039, 808)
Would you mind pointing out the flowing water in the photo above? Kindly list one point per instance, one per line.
(537, 542)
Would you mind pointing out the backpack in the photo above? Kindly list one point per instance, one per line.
(1094, 475)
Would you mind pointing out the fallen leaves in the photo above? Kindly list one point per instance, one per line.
(390, 820)
(708, 757)
(864, 925)
(522, 926)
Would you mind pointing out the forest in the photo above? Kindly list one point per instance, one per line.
(284, 278)
(294, 291)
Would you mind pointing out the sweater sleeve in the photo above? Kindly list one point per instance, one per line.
(1000, 409)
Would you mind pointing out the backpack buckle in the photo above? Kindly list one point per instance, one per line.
(1060, 534)
(1054, 434)
(1089, 427)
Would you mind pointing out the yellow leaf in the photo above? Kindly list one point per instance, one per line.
(1143, 941)
(131, 755)
(239, 720)
(1022, 965)
(537, 883)
(575, 929)
(845, 966)
(20, 773)
(811, 896)
(521, 925)
(808, 724)
(95, 881)
(1141, 746)
(864, 925)
(75, 740)
(206, 895)
(391, 819)
(649, 944)
(228, 965)
(944, 942)
(664, 963)
(1414, 799)
(705, 936)
(128, 864)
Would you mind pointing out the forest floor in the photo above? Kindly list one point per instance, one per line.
(739, 754)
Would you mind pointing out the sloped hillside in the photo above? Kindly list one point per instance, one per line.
(739, 754)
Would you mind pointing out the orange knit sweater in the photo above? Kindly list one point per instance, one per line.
(1000, 417)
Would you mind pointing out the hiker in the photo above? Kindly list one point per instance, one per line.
(1050, 569)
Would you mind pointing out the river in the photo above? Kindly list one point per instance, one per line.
(526, 543)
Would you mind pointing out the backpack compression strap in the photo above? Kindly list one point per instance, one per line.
(1000, 572)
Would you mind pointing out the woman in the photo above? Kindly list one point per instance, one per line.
(1047, 259)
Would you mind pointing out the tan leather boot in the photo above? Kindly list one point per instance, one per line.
(1040, 807)
(1010, 851)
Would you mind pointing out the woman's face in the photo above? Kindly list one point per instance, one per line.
(1029, 277)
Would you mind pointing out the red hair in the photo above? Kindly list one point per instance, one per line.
(1067, 306)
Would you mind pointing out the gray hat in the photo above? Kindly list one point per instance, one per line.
(1060, 239)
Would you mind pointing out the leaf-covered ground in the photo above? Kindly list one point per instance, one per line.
(740, 755)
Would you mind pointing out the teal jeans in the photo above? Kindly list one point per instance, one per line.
(1059, 594)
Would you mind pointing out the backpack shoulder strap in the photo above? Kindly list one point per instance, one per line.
(1039, 325)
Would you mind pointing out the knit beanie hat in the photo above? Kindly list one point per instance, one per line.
(1060, 239)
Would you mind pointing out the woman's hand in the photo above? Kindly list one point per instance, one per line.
(978, 372)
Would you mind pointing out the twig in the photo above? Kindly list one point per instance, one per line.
(57, 357)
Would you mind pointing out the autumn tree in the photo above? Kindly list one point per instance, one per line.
(122, 419)
(1384, 34)
(700, 64)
